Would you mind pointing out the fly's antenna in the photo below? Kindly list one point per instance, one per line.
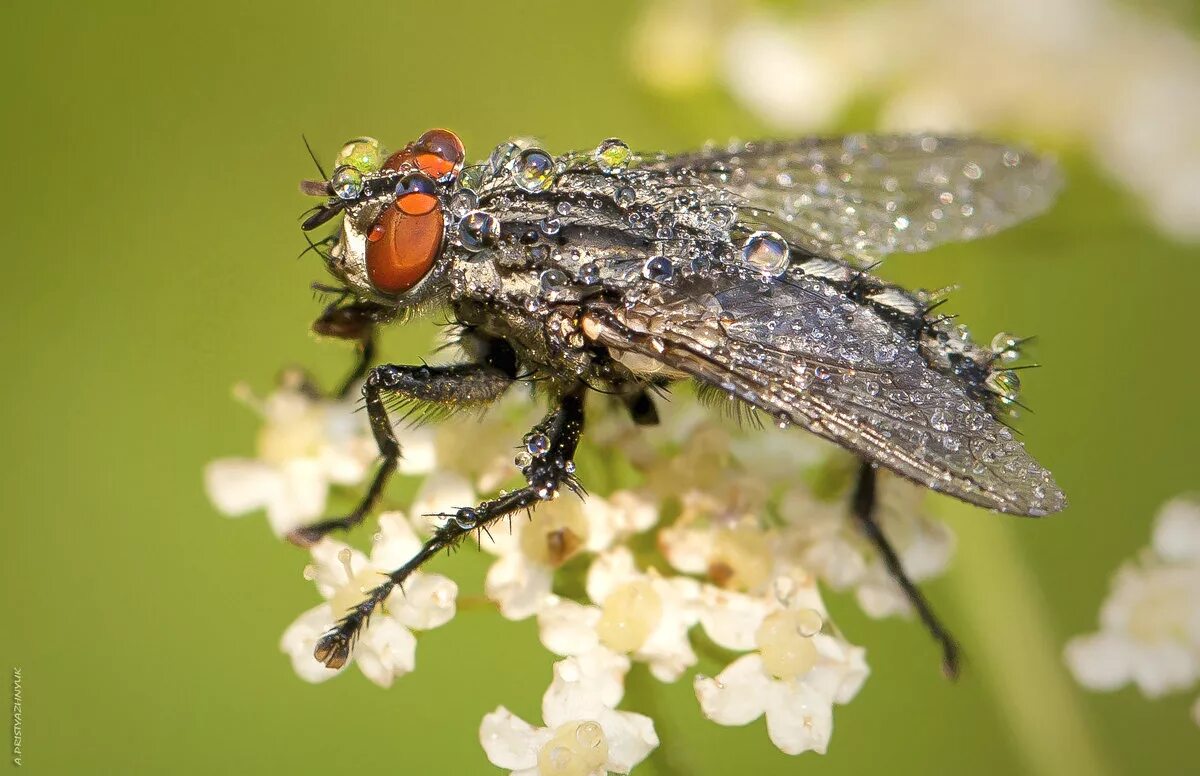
(312, 155)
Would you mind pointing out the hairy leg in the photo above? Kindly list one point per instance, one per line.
(435, 388)
(552, 443)
(863, 506)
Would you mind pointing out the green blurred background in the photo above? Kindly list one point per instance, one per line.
(150, 214)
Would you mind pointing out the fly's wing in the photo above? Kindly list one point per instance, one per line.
(803, 351)
(863, 196)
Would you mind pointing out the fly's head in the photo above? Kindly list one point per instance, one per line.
(393, 232)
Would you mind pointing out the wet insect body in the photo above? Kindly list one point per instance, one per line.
(743, 268)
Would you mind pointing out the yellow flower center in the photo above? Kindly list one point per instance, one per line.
(349, 595)
(577, 749)
(295, 429)
(557, 531)
(785, 642)
(740, 559)
(629, 615)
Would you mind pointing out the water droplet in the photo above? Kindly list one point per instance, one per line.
(809, 622)
(502, 157)
(1005, 384)
(553, 279)
(659, 269)
(611, 155)
(550, 226)
(534, 170)
(364, 154)
(723, 217)
(463, 202)
(625, 196)
(1006, 346)
(466, 517)
(767, 252)
(940, 420)
(478, 230)
(537, 444)
(589, 735)
(347, 182)
(589, 273)
(563, 208)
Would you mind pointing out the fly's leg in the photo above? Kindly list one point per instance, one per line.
(434, 388)
(863, 506)
(355, 322)
(641, 407)
(552, 442)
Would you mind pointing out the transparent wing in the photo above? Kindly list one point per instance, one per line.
(800, 350)
(865, 196)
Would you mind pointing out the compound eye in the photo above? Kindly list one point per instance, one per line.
(439, 154)
(416, 194)
(401, 248)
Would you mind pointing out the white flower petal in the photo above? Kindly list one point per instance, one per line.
(1177, 530)
(687, 548)
(738, 695)
(442, 492)
(519, 586)
(418, 454)
(1100, 661)
(571, 697)
(386, 650)
(240, 485)
(397, 542)
(631, 738)
(300, 639)
(609, 571)
(731, 619)
(568, 628)
(632, 512)
(799, 719)
(509, 741)
(427, 601)
(604, 672)
(301, 499)
(1164, 668)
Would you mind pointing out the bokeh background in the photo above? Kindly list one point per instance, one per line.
(150, 210)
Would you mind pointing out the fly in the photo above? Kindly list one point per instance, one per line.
(744, 268)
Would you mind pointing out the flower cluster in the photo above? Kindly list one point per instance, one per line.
(695, 532)
(1150, 624)
(959, 66)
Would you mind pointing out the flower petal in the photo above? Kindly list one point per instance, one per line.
(738, 695)
(386, 650)
(300, 639)
(1100, 661)
(442, 492)
(427, 601)
(236, 486)
(571, 696)
(610, 570)
(799, 719)
(1177, 530)
(397, 543)
(731, 619)
(509, 741)
(631, 738)
(520, 587)
(568, 628)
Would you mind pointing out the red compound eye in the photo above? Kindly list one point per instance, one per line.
(401, 248)
(438, 153)
(416, 194)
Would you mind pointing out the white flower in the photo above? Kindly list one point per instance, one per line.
(827, 540)
(798, 671)
(584, 734)
(386, 648)
(521, 578)
(1150, 624)
(305, 445)
(635, 613)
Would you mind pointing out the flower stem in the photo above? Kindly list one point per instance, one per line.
(1016, 651)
